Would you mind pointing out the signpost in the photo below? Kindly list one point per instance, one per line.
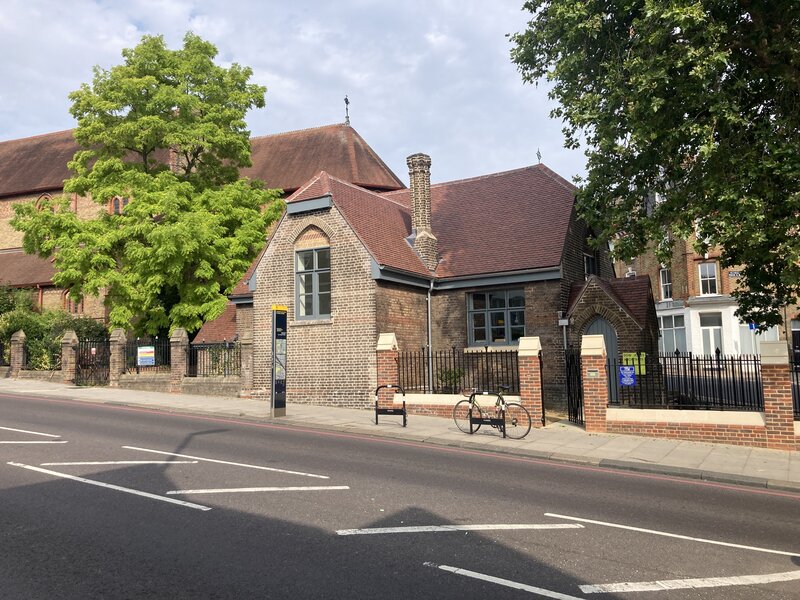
(278, 396)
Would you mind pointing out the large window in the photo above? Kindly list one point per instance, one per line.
(711, 329)
(708, 278)
(496, 317)
(751, 339)
(673, 334)
(666, 284)
(313, 283)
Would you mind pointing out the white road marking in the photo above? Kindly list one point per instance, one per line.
(443, 528)
(31, 432)
(312, 488)
(225, 462)
(121, 462)
(504, 582)
(110, 486)
(684, 584)
(35, 442)
(674, 535)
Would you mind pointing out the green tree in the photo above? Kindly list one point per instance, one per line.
(163, 137)
(689, 113)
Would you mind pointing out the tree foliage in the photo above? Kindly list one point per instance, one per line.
(689, 113)
(162, 138)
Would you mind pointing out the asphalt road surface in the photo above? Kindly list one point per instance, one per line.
(102, 501)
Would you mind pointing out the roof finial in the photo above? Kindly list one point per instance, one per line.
(539, 155)
(346, 110)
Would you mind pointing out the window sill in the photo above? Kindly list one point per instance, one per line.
(477, 349)
(310, 322)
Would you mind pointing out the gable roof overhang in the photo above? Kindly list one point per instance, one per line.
(386, 273)
(608, 290)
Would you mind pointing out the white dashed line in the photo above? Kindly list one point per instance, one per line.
(35, 442)
(317, 488)
(225, 462)
(445, 528)
(31, 432)
(674, 535)
(120, 462)
(684, 584)
(504, 582)
(110, 486)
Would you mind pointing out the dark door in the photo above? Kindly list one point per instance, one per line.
(601, 326)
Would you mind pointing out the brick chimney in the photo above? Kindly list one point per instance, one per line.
(419, 174)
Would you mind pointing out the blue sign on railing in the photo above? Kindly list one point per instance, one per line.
(627, 375)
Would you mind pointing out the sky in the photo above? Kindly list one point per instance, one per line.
(432, 76)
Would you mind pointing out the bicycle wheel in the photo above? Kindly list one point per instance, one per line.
(518, 421)
(461, 413)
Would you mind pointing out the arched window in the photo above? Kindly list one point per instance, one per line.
(116, 205)
(312, 275)
(72, 307)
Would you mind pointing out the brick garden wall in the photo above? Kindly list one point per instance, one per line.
(330, 361)
(403, 311)
(740, 435)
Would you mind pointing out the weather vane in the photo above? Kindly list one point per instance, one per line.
(539, 155)
(346, 110)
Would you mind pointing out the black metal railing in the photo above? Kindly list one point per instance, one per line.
(147, 355)
(795, 366)
(457, 369)
(686, 381)
(215, 359)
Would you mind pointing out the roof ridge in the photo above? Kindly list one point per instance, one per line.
(555, 177)
(293, 131)
(476, 178)
(355, 186)
(38, 135)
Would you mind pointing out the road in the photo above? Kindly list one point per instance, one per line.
(104, 501)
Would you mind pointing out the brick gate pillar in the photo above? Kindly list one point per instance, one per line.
(179, 359)
(17, 353)
(116, 362)
(69, 356)
(530, 378)
(595, 383)
(776, 378)
(246, 349)
(388, 358)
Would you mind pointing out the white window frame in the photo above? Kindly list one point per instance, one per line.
(711, 335)
(666, 286)
(673, 337)
(705, 278)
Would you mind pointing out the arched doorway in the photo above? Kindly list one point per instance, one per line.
(600, 326)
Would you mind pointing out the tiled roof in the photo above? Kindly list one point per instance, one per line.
(283, 160)
(288, 160)
(632, 294)
(36, 164)
(381, 223)
(20, 269)
(510, 221)
(223, 328)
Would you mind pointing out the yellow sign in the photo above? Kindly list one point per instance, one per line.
(637, 360)
(279, 307)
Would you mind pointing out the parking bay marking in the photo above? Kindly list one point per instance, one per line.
(504, 582)
(31, 432)
(683, 584)
(313, 488)
(674, 535)
(445, 528)
(225, 462)
(110, 486)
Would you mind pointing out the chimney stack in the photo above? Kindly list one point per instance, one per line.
(419, 174)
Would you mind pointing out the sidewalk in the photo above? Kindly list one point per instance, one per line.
(560, 441)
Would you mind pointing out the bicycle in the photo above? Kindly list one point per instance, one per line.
(469, 415)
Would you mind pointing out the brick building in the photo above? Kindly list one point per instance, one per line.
(35, 166)
(694, 306)
(476, 263)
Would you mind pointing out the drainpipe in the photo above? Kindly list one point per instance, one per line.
(564, 323)
(430, 341)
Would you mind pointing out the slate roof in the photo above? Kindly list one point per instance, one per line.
(504, 222)
(283, 160)
(20, 269)
(632, 294)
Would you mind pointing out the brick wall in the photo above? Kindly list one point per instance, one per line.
(403, 311)
(11, 238)
(329, 361)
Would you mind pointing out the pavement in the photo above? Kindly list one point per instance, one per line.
(558, 441)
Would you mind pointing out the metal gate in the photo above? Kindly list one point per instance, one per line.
(572, 361)
(92, 362)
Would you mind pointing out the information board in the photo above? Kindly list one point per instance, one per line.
(146, 356)
(627, 375)
(279, 322)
